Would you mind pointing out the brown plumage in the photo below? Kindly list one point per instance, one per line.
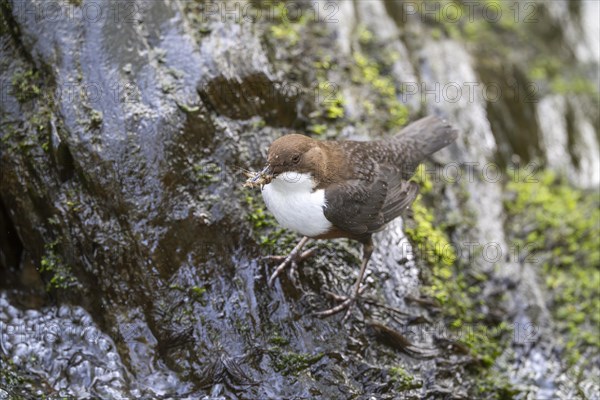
(365, 184)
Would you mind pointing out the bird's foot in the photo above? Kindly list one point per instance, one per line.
(298, 258)
(346, 303)
(291, 260)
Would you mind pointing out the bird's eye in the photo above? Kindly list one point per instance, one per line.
(296, 158)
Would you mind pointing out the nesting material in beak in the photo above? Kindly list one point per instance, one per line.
(261, 178)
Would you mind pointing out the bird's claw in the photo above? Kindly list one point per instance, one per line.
(292, 260)
(346, 303)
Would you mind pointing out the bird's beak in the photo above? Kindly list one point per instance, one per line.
(261, 178)
(266, 174)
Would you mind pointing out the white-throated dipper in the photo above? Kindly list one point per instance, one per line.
(345, 189)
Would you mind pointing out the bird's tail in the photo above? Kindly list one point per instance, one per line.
(424, 137)
(420, 139)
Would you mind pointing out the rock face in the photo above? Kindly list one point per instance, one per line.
(131, 255)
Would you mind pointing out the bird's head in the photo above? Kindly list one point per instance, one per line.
(293, 154)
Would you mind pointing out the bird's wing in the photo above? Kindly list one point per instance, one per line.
(363, 207)
(400, 195)
(355, 206)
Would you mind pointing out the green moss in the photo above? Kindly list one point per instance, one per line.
(23, 139)
(403, 379)
(265, 230)
(332, 100)
(207, 172)
(422, 178)
(285, 32)
(368, 72)
(167, 87)
(544, 67)
(197, 293)
(8, 375)
(445, 283)
(257, 215)
(398, 114)
(71, 201)
(474, 22)
(560, 79)
(329, 100)
(61, 276)
(365, 36)
(289, 363)
(324, 63)
(286, 29)
(16, 383)
(369, 107)
(188, 109)
(258, 123)
(495, 387)
(456, 288)
(487, 27)
(25, 86)
(279, 340)
(560, 226)
(95, 119)
(335, 109)
(40, 118)
(574, 85)
(431, 242)
(317, 129)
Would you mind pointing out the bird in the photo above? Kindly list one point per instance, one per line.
(328, 189)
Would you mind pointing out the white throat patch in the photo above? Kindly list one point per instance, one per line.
(291, 199)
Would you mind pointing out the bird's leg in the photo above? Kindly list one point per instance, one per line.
(348, 301)
(291, 260)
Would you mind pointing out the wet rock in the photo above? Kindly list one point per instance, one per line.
(122, 146)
